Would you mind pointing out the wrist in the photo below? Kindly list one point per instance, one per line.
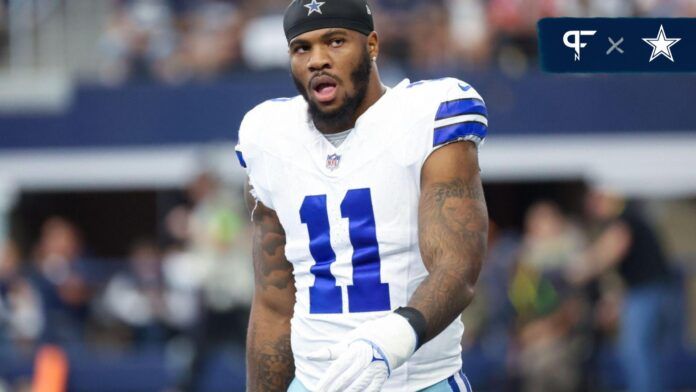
(393, 335)
(416, 320)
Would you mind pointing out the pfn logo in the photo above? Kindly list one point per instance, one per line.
(576, 42)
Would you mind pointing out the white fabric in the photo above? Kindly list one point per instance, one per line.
(286, 161)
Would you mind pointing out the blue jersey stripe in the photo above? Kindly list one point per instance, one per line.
(241, 159)
(461, 106)
(452, 132)
(453, 383)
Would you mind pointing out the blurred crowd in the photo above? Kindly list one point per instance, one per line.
(554, 297)
(190, 289)
(178, 40)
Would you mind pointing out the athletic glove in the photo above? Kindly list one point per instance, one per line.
(364, 360)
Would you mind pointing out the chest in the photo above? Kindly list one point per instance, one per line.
(372, 198)
(370, 179)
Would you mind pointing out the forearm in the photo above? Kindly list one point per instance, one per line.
(270, 365)
(453, 227)
(441, 298)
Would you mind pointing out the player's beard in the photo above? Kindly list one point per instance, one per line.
(341, 118)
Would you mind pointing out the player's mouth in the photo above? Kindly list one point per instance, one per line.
(323, 88)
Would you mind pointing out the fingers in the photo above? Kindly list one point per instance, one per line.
(346, 368)
(355, 367)
(328, 353)
(378, 381)
(336, 369)
(371, 379)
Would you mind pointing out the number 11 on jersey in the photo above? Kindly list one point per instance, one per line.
(367, 293)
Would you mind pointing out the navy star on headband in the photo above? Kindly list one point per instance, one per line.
(314, 6)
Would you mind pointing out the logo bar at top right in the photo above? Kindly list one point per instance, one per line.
(584, 45)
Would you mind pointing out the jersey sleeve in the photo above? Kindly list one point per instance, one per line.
(251, 157)
(461, 114)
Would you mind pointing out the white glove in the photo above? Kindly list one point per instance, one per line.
(369, 354)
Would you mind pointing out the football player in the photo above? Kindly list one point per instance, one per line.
(369, 216)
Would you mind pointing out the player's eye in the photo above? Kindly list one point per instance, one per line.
(300, 49)
(336, 42)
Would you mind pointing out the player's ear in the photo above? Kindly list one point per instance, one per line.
(373, 45)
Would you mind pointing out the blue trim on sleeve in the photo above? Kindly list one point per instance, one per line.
(452, 132)
(242, 162)
(453, 384)
(459, 107)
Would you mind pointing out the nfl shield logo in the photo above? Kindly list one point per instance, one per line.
(332, 161)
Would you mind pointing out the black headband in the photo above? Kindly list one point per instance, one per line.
(302, 16)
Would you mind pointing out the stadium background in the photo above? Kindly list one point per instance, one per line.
(124, 246)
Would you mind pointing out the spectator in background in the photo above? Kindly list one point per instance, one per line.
(394, 19)
(210, 45)
(548, 310)
(135, 297)
(657, 8)
(61, 282)
(490, 316)
(263, 43)
(138, 42)
(429, 36)
(514, 26)
(183, 40)
(214, 268)
(211, 264)
(470, 33)
(628, 243)
(21, 320)
(688, 8)
(218, 235)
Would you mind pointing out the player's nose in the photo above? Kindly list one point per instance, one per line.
(318, 60)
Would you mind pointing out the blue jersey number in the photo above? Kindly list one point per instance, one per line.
(368, 293)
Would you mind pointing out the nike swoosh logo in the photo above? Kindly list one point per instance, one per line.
(464, 87)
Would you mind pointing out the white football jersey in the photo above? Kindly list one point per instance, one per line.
(350, 213)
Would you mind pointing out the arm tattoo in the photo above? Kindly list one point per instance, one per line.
(455, 189)
(271, 366)
(453, 226)
(270, 265)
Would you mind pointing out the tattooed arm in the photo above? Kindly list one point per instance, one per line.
(452, 233)
(270, 365)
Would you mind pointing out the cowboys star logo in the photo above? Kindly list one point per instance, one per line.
(314, 6)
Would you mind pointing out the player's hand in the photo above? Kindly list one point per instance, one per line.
(357, 366)
(366, 358)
